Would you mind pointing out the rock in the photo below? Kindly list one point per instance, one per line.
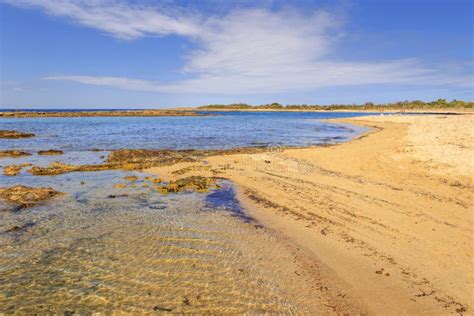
(21, 228)
(154, 180)
(50, 152)
(56, 168)
(192, 183)
(13, 154)
(23, 196)
(137, 159)
(161, 309)
(113, 196)
(186, 301)
(131, 178)
(12, 170)
(150, 156)
(120, 185)
(14, 134)
(105, 113)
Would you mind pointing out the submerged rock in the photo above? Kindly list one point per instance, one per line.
(14, 134)
(23, 196)
(12, 170)
(20, 228)
(192, 183)
(137, 159)
(50, 152)
(145, 156)
(13, 153)
(131, 178)
(154, 180)
(56, 168)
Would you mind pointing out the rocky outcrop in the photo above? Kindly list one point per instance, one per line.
(14, 170)
(23, 196)
(56, 168)
(137, 159)
(23, 114)
(13, 154)
(144, 156)
(11, 171)
(192, 183)
(50, 152)
(14, 134)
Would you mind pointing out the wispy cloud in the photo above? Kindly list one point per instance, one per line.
(253, 50)
(118, 18)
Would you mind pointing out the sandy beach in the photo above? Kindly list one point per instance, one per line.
(387, 217)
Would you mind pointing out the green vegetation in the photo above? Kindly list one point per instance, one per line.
(403, 105)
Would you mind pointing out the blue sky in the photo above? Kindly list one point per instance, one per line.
(140, 54)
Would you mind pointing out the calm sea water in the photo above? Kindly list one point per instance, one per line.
(143, 252)
(225, 130)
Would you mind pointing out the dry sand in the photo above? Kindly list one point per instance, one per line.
(389, 215)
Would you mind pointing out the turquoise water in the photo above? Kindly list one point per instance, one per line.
(226, 130)
(100, 249)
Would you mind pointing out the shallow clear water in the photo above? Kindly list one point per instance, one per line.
(139, 251)
(226, 130)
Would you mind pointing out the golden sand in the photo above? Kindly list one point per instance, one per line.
(389, 215)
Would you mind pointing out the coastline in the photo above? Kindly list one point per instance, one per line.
(195, 111)
(379, 110)
(388, 213)
(99, 113)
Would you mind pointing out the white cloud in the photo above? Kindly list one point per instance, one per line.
(118, 18)
(243, 51)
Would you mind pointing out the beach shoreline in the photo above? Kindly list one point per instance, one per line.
(388, 213)
(381, 110)
(196, 111)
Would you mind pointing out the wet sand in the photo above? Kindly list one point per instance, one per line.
(387, 217)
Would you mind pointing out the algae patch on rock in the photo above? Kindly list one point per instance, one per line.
(144, 156)
(192, 183)
(23, 196)
(13, 154)
(50, 152)
(56, 168)
(137, 159)
(131, 178)
(14, 134)
(11, 171)
(14, 170)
